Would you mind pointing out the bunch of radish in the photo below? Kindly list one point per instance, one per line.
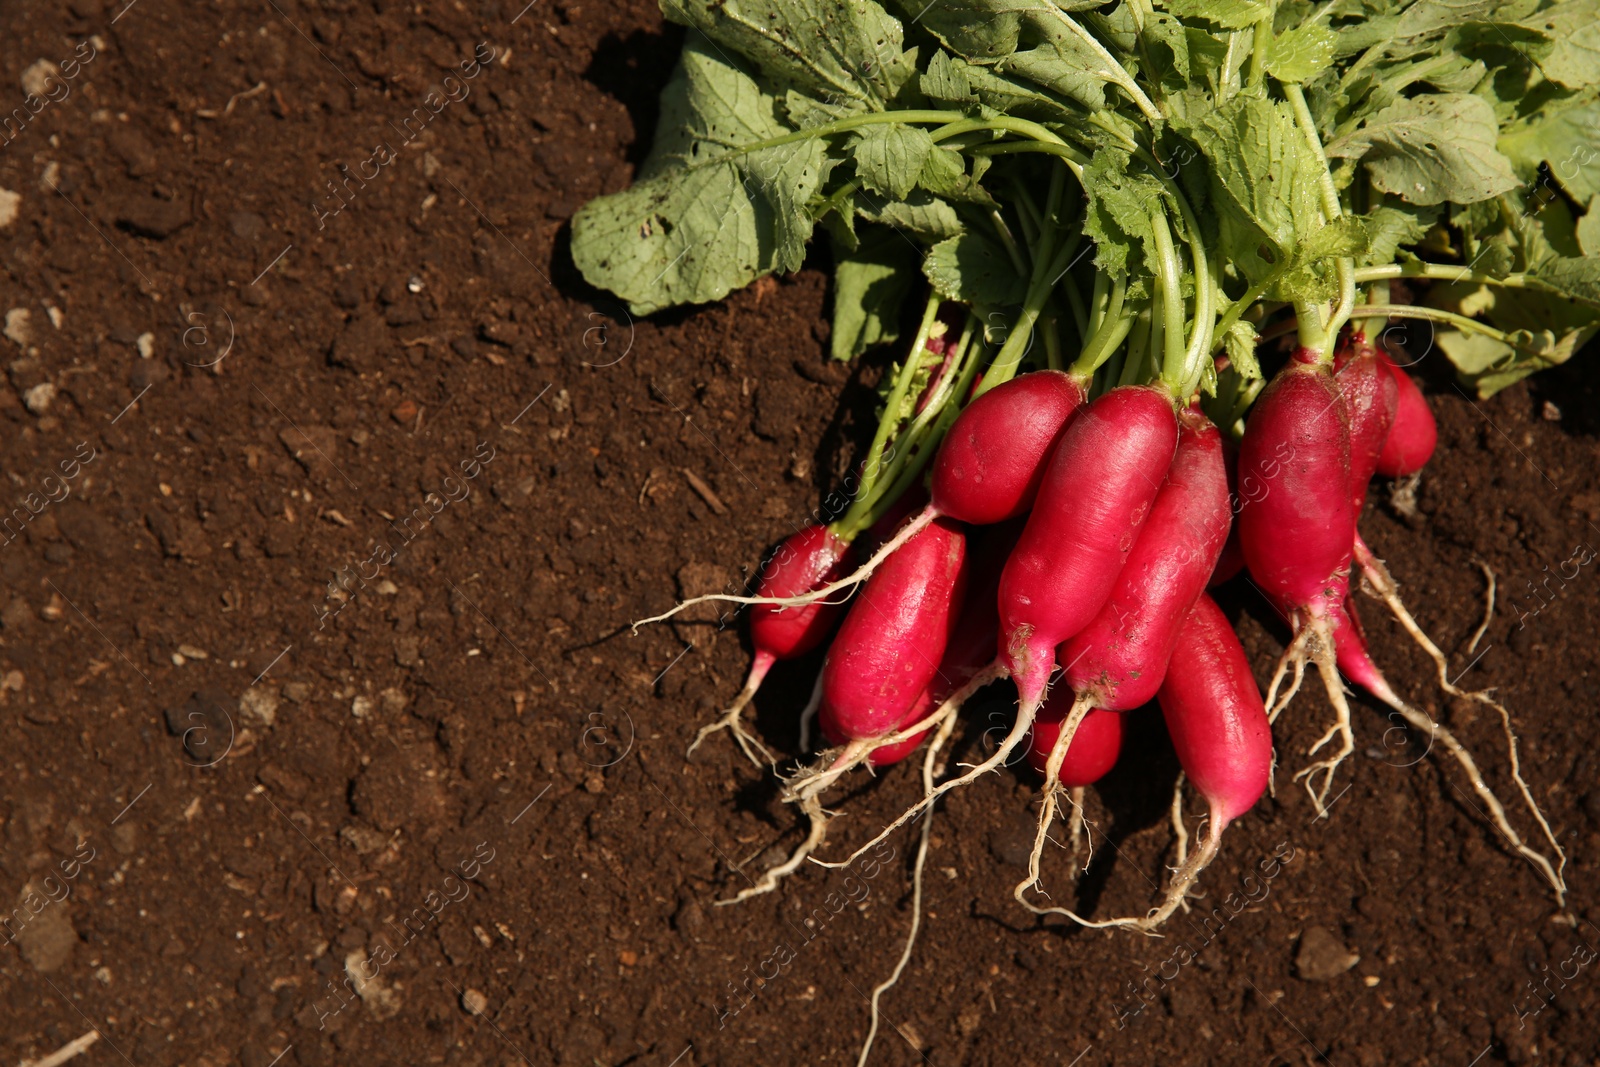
(1066, 545)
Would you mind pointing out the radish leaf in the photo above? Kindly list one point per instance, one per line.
(869, 286)
(845, 52)
(1431, 149)
(973, 268)
(706, 218)
(889, 159)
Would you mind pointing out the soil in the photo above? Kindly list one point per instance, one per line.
(226, 775)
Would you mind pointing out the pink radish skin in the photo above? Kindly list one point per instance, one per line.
(1091, 506)
(1120, 658)
(1231, 561)
(885, 755)
(889, 647)
(1092, 752)
(806, 560)
(1214, 714)
(994, 456)
(1371, 396)
(1414, 434)
(1297, 534)
(971, 645)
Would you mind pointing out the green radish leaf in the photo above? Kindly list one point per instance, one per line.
(846, 53)
(707, 216)
(889, 158)
(1229, 14)
(1168, 42)
(1012, 97)
(870, 285)
(1389, 226)
(982, 30)
(1240, 342)
(1573, 28)
(1430, 16)
(1588, 228)
(1121, 202)
(945, 81)
(920, 215)
(1357, 37)
(1574, 277)
(1312, 276)
(1263, 181)
(944, 173)
(1301, 54)
(974, 269)
(1568, 140)
(1065, 66)
(1431, 149)
(805, 112)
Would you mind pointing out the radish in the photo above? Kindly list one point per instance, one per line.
(968, 654)
(1093, 751)
(1299, 539)
(1118, 660)
(882, 660)
(1297, 536)
(811, 557)
(1414, 434)
(1370, 397)
(891, 642)
(1096, 493)
(1219, 730)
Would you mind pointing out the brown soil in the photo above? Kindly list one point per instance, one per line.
(233, 784)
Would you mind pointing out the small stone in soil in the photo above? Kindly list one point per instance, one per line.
(1322, 956)
(474, 1001)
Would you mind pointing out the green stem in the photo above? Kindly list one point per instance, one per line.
(1450, 318)
(1258, 53)
(1440, 271)
(1139, 341)
(1008, 241)
(1099, 300)
(942, 410)
(1378, 293)
(1108, 336)
(1170, 274)
(1009, 358)
(874, 118)
(1005, 123)
(1330, 207)
(1052, 343)
(848, 525)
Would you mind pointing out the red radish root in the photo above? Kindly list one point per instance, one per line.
(1415, 433)
(1219, 729)
(805, 559)
(883, 658)
(1118, 660)
(1297, 535)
